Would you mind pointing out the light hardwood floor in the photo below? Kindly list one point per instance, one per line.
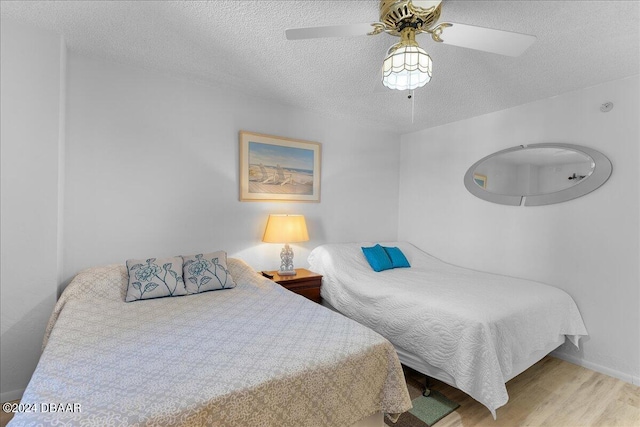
(551, 393)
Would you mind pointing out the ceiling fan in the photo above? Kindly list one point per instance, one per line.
(407, 66)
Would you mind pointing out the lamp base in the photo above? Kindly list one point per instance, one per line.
(286, 266)
(287, 273)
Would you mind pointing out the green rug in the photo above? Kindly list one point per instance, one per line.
(426, 411)
(433, 408)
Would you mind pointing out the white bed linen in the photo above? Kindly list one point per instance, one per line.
(254, 355)
(476, 327)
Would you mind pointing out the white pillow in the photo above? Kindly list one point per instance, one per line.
(207, 272)
(155, 278)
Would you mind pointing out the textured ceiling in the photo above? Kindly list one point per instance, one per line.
(241, 45)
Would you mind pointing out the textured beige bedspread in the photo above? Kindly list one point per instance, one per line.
(254, 355)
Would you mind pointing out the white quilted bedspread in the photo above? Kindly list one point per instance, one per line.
(254, 355)
(475, 326)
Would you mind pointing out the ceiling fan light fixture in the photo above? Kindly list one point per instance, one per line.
(407, 66)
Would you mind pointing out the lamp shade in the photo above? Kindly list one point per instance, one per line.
(406, 67)
(285, 229)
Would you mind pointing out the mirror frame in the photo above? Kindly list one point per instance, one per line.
(601, 173)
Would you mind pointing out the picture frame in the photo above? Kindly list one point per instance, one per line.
(274, 168)
(480, 180)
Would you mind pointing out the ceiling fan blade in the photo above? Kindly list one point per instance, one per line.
(348, 30)
(486, 39)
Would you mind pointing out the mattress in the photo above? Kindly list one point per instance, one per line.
(253, 355)
(477, 329)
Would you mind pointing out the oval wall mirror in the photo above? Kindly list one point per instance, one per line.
(538, 174)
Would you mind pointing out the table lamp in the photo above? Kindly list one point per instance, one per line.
(286, 229)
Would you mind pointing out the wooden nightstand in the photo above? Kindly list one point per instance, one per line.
(305, 283)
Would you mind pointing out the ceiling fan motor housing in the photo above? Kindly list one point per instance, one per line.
(397, 15)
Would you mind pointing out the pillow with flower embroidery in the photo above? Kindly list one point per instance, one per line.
(155, 278)
(207, 272)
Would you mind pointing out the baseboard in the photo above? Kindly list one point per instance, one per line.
(8, 396)
(635, 380)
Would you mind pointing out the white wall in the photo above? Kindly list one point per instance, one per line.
(32, 117)
(588, 246)
(152, 170)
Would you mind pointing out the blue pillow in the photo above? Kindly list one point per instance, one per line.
(377, 258)
(398, 260)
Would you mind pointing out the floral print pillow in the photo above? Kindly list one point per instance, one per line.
(207, 272)
(155, 278)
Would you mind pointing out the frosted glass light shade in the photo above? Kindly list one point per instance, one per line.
(406, 67)
(285, 229)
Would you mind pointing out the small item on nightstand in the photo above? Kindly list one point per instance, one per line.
(267, 275)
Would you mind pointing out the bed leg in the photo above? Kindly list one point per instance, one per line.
(426, 391)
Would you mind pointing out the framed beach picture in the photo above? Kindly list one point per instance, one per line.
(273, 168)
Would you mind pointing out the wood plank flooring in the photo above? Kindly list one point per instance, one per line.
(551, 393)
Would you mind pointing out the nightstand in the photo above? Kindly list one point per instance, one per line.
(305, 283)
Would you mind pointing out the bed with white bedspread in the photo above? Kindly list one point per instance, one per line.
(254, 355)
(470, 329)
